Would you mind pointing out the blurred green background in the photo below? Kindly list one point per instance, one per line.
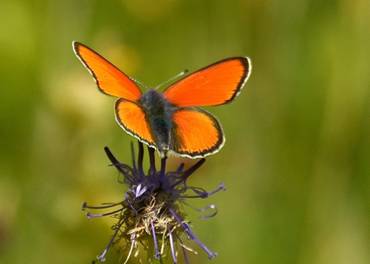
(296, 160)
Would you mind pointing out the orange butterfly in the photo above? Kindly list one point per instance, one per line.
(171, 121)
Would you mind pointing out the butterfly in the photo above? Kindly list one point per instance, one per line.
(171, 121)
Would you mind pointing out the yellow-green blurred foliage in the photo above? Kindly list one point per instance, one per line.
(296, 160)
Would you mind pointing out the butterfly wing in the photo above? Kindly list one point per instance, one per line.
(216, 84)
(195, 133)
(108, 77)
(131, 117)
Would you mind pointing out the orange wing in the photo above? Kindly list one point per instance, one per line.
(131, 117)
(108, 77)
(195, 133)
(216, 84)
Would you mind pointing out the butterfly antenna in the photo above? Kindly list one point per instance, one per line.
(172, 79)
(139, 83)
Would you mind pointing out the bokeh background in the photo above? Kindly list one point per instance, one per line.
(296, 160)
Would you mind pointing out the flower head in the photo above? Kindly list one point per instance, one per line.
(149, 216)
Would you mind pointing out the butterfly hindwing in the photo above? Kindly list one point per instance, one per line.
(195, 133)
(131, 117)
(216, 84)
(108, 77)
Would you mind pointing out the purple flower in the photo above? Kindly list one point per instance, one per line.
(149, 216)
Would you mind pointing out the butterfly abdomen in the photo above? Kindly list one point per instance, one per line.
(159, 116)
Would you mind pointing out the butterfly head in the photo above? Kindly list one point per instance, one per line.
(154, 103)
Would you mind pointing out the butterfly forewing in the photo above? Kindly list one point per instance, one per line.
(108, 77)
(216, 84)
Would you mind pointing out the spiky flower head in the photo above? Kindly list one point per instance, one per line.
(150, 217)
